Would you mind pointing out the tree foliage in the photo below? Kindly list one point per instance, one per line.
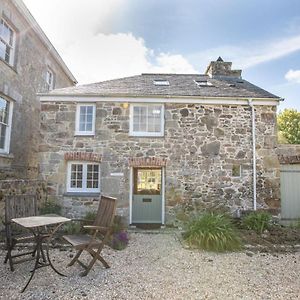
(289, 126)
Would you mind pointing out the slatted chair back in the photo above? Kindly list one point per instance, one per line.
(106, 212)
(19, 206)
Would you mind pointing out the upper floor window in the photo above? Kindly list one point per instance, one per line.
(146, 120)
(49, 80)
(85, 119)
(5, 124)
(83, 177)
(7, 42)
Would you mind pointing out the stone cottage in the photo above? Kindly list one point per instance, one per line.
(28, 64)
(165, 145)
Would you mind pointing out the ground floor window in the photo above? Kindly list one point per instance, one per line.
(5, 124)
(83, 177)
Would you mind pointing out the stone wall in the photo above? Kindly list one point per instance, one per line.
(20, 187)
(288, 153)
(20, 83)
(201, 145)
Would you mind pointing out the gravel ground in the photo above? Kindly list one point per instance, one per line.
(156, 266)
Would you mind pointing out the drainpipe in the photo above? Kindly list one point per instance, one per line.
(253, 151)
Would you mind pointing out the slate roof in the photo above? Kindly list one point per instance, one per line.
(180, 85)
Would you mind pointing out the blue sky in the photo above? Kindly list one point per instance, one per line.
(108, 39)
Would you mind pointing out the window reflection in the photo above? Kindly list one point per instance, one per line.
(147, 181)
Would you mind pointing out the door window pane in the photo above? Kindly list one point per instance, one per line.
(148, 181)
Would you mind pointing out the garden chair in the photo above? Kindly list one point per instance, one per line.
(18, 206)
(100, 233)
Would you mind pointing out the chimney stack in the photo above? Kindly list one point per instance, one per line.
(222, 68)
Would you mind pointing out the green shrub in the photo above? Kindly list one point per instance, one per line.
(258, 221)
(118, 224)
(90, 216)
(295, 224)
(72, 228)
(50, 207)
(212, 232)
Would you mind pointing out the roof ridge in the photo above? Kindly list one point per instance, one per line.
(190, 74)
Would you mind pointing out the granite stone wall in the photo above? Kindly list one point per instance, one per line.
(19, 84)
(288, 153)
(203, 145)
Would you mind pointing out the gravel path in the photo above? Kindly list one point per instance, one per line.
(155, 266)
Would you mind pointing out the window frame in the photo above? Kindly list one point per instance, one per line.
(77, 121)
(147, 133)
(236, 167)
(49, 86)
(161, 82)
(202, 83)
(6, 148)
(84, 188)
(12, 47)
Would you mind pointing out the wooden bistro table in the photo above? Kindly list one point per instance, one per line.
(35, 224)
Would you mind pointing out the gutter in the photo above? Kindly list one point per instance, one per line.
(250, 102)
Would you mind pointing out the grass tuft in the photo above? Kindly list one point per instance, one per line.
(257, 221)
(212, 232)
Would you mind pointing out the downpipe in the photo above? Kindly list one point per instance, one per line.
(250, 102)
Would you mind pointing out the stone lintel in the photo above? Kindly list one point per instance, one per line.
(84, 156)
(291, 159)
(147, 162)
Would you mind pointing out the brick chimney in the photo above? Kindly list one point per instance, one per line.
(222, 68)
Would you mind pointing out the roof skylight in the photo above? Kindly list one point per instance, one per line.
(161, 82)
(203, 83)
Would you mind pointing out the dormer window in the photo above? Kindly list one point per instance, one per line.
(7, 43)
(203, 83)
(161, 82)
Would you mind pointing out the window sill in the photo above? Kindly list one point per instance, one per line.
(81, 194)
(6, 155)
(146, 136)
(13, 68)
(84, 135)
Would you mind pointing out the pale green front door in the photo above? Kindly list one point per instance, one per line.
(147, 196)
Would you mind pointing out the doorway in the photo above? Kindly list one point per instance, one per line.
(147, 196)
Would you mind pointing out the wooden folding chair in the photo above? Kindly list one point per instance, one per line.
(100, 232)
(18, 206)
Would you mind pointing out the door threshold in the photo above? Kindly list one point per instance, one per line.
(147, 226)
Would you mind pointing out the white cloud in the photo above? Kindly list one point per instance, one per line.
(101, 57)
(251, 54)
(175, 63)
(83, 36)
(293, 76)
(68, 21)
(77, 30)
